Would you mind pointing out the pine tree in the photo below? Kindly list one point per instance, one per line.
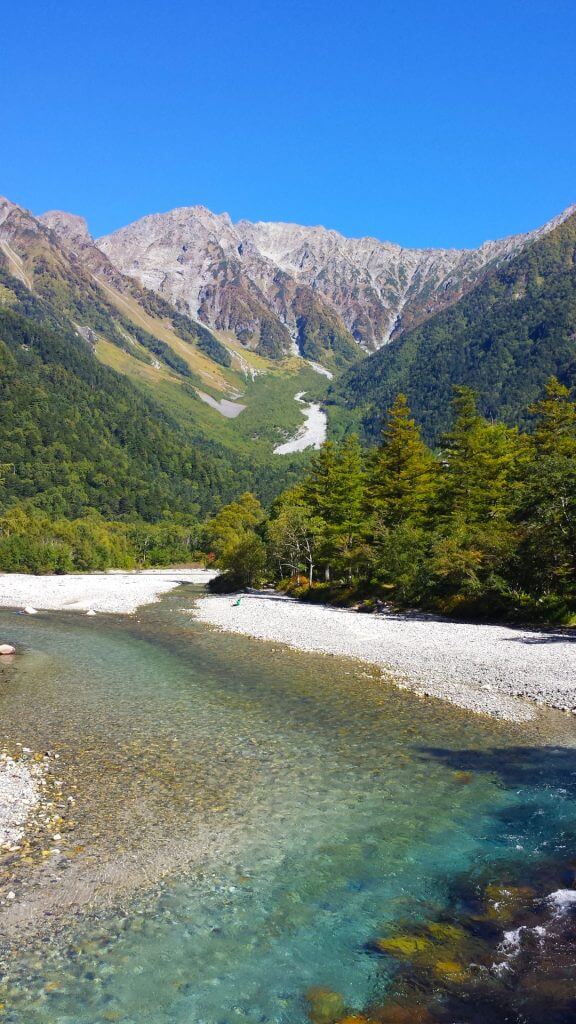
(548, 511)
(334, 493)
(401, 472)
(481, 465)
(555, 432)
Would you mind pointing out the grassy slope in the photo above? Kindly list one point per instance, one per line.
(271, 413)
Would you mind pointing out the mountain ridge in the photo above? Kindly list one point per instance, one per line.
(504, 339)
(234, 275)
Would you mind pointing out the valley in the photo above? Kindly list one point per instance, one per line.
(288, 513)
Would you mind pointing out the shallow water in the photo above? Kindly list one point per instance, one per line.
(248, 820)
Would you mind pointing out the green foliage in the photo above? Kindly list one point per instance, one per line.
(157, 347)
(78, 436)
(548, 500)
(32, 542)
(232, 523)
(334, 493)
(504, 339)
(295, 536)
(487, 526)
(274, 339)
(244, 564)
(232, 538)
(213, 348)
(322, 337)
(402, 471)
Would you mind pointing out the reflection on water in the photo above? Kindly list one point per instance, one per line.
(248, 822)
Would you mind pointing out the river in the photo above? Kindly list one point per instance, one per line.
(251, 825)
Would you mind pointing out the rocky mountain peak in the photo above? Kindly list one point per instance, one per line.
(235, 275)
(68, 226)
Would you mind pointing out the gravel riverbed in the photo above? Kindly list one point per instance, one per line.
(485, 668)
(19, 794)
(114, 591)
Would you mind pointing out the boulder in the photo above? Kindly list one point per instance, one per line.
(7, 649)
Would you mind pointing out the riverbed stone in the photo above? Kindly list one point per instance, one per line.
(326, 1006)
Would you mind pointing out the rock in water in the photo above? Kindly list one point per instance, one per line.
(7, 649)
(30, 610)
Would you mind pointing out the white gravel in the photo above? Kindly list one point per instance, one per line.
(483, 668)
(311, 434)
(19, 794)
(122, 592)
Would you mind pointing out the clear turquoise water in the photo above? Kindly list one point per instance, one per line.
(249, 820)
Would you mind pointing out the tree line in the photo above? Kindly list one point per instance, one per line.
(31, 541)
(484, 525)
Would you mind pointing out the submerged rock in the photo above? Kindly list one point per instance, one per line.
(326, 1006)
(406, 946)
(505, 901)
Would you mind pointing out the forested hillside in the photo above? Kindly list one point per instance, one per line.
(75, 435)
(504, 340)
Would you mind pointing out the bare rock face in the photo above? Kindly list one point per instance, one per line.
(69, 227)
(306, 281)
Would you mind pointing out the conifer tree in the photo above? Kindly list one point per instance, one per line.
(548, 511)
(335, 494)
(401, 472)
(481, 465)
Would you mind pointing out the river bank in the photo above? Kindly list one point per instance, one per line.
(489, 669)
(115, 591)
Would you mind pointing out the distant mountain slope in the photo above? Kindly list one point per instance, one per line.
(504, 339)
(282, 287)
(160, 371)
(76, 435)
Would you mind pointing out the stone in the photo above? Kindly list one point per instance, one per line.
(326, 1006)
(7, 649)
(405, 946)
(450, 970)
(505, 901)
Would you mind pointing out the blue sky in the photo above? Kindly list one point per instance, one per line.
(426, 123)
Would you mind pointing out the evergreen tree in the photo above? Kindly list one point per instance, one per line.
(481, 465)
(401, 471)
(334, 493)
(548, 511)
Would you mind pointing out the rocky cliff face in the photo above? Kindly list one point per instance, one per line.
(285, 286)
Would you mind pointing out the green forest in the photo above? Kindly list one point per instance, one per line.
(76, 437)
(483, 526)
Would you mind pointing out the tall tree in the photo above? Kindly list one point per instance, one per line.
(481, 464)
(548, 511)
(334, 493)
(401, 472)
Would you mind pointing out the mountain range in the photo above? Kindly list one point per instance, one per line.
(207, 329)
(281, 287)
